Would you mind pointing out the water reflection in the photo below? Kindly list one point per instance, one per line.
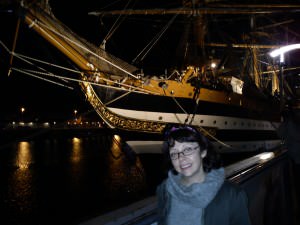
(69, 179)
(76, 150)
(24, 156)
(126, 177)
(21, 194)
(76, 163)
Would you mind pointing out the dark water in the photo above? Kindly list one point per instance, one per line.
(67, 180)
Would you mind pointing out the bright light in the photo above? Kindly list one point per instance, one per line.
(46, 124)
(75, 115)
(117, 137)
(266, 155)
(283, 50)
(280, 51)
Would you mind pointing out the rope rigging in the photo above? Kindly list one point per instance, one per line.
(114, 27)
(86, 49)
(196, 95)
(45, 72)
(151, 44)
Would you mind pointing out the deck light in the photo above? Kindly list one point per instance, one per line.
(280, 51)
(22, 112)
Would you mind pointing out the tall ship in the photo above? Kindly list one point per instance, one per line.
(202, 63)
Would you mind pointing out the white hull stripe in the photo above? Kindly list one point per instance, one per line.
(220, 122)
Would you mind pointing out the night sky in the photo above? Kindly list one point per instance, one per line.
(43, 101)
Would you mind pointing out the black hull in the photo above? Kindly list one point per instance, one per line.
(265, 109)
(230, 127)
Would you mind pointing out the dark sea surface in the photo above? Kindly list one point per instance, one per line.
(69, 177)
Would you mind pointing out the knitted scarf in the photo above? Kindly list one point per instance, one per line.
(188, 202)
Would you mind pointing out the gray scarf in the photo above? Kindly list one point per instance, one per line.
(198, 194)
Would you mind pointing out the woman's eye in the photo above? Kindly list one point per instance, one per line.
(173, 155)
(188, 150)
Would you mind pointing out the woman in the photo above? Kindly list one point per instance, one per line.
(196, 191)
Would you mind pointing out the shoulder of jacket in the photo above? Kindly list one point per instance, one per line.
(161, 188)
(227, 195)
(161, 185)
(230, 188)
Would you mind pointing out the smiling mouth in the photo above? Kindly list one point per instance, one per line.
(185, 166)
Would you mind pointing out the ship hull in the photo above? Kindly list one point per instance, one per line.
(230, 127)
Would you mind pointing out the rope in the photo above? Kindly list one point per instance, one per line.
(46, 63)
(117, 98)
(154, 40)
(196, 99)
(81, 81)
(14, 45)
(23, 58)
(114, 27)
(88, 50)
(214, 138)
(44, 79)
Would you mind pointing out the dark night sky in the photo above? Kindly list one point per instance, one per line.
(42, 100)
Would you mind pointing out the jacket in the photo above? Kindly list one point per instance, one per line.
(229, 207)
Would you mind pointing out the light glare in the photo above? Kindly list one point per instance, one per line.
(283, 50)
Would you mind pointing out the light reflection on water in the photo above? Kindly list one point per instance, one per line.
(69, 179)
(24, 157)
(122, 175)
(76, 154)
(21, 195)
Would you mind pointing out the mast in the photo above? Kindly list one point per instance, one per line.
(254, 51)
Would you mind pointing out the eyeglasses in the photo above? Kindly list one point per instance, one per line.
(185, 152)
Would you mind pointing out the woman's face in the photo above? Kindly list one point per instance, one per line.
(187, 158)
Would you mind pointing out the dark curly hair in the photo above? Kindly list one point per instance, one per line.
(184, 133)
